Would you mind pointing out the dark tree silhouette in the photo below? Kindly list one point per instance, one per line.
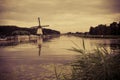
(9, 30)
(113, 29)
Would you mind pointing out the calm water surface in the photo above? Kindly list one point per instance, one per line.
(24, 61)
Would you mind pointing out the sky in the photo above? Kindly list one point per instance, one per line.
(61, 15)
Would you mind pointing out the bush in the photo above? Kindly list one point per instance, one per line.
(98, 64)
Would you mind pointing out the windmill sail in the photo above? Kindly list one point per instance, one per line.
(39, 30)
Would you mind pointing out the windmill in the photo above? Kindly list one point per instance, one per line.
(39, 30)
(40, 35)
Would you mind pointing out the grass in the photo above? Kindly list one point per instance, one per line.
(98, 64)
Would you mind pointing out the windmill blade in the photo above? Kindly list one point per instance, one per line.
(39, 21)
(40, 26)
(44, 25)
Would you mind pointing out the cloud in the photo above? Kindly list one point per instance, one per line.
(54, 6)
(59, 12)
(113, 5)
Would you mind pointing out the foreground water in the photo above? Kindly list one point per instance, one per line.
(24, 61)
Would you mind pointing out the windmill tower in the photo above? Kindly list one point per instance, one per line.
(39, 30)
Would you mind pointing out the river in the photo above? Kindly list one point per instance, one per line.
(31, 61)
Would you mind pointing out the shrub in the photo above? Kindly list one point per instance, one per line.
(98, 64)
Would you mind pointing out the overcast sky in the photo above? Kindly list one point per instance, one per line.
(62, 15)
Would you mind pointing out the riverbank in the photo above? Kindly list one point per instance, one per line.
(97, 36)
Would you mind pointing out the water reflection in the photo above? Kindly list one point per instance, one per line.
(23, 58)
(112, 44)
(8, 43)
(57, 45)
(115, 46)
(39, 42)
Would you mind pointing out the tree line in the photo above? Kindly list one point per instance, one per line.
(8, 30)
(112, 29)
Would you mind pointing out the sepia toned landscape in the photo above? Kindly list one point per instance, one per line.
(59, 40)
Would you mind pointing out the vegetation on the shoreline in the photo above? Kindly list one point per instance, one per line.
(12, 30)
(106, 31)
(99, 64)
(112, 29)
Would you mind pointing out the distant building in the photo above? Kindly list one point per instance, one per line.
(25, 38)
(22, 38)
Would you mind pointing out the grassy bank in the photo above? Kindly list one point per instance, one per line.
(98, 64)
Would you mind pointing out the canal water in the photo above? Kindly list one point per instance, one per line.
(39, 60)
